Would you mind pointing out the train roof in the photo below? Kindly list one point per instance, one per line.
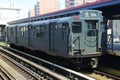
(60, 13)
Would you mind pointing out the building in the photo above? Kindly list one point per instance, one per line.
(7, 14)
(46, 6)
(31, 13)
(72, 3)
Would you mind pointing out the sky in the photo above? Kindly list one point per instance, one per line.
(25, 5)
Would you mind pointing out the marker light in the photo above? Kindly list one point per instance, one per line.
(76, 17)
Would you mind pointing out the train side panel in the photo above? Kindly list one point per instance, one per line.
(40, 39)
(49, 37)
(58, 41)
(21, 35)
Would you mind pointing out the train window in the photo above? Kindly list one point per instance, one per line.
(40, 31)
(56, 27)
(30, 27)
(11, 31)
(76, 27)
(59, 26)
(91, 26)
(46, 27)
(45, 30)
(65, 27)
(26, 28)
(23, 31)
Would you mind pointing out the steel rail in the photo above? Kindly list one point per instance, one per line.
(70, 73)
(44, 71)
(106, 74)
(6, 75)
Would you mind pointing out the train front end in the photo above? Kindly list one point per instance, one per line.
(86, 37)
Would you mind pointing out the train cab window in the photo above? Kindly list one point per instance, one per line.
(76, 27)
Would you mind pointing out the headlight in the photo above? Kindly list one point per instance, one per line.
(86, 14)
(93, 14)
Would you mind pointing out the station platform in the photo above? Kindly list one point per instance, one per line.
(116, 49)
(116, 46)
(11, 71)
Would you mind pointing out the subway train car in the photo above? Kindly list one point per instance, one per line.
(74, 37)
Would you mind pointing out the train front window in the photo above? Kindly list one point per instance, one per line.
(91, 28)
(76, 27)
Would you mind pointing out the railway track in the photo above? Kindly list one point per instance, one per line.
(30, 71)
(4, 75)
(55, 72)
(69, 74)
(17, 68)
(101, 75)
(113, 77)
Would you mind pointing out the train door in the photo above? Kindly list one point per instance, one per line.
(16, 31)
(8, 34)
(91, 35)
(30, 35)
(52, 36)
(77, 38)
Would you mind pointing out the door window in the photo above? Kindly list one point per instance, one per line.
(64, 31)
(91, 28)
